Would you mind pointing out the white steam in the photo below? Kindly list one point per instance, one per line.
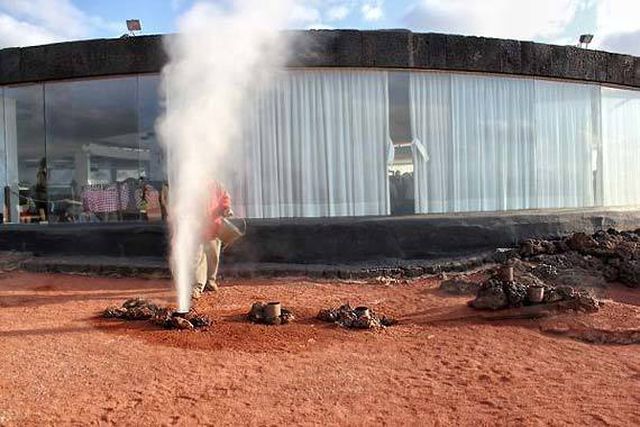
(219, 57)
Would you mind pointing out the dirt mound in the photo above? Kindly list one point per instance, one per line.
(354, 318)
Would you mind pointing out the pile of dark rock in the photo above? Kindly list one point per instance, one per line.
(132, 309)
(605, 256)
(355, 318)
(171, 319)
(141, 309)
(261, 312)
(496, 293)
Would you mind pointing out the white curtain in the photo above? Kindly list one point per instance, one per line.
(484, 143)
(430, 106)
(567, 142)
(621, 146)
(492, 142)
(315, 145)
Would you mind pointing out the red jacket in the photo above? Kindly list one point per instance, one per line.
(220, 202)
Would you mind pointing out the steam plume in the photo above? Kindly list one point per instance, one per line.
(219, 57)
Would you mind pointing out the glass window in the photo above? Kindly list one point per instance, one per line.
(93, 149)
(492, 142)
(621, 146)
(484, 143)
(153, 166)
(401, 188)
(25, 148)
(316, 145)
(399, 111)
(3, 162)
(566, 143)
(430, 103)
(150, 107)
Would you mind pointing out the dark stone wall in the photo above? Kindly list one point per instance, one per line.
(325, 240)
(336, 48)
(88, 58)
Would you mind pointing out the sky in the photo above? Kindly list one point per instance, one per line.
(615, 23)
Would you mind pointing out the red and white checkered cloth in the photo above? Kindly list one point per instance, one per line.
(124, 196)
(101, 200)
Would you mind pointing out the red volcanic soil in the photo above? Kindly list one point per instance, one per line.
(61, 364)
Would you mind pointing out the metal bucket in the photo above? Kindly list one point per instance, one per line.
(229, 233)
(535, 294)
(272, 310)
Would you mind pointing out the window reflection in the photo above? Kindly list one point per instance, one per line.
(152, 160)
(25, 147)
(92, 143)
(4, 215)
(401, 185)
(99, 139)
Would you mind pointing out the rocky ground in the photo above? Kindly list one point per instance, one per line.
(62, 363)
(136, 309)
(580, 259)
(572, 268)
(361, 317)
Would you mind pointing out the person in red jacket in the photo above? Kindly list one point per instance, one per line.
(209, 253)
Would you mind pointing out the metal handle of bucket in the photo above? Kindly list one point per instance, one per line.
(244, 229)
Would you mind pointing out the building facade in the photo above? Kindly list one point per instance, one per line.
(362, 124)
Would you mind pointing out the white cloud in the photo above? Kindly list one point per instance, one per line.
(53, 14)
(304, 15)
(19, 33)
(319, 14)
(618, 16)
(618, 26)
(338, 13)
(372, 11)
(522, 19)
(627, 43)
(319, 26)
(29, 22)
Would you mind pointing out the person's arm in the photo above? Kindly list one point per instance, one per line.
(220, 204)
(225, 203)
